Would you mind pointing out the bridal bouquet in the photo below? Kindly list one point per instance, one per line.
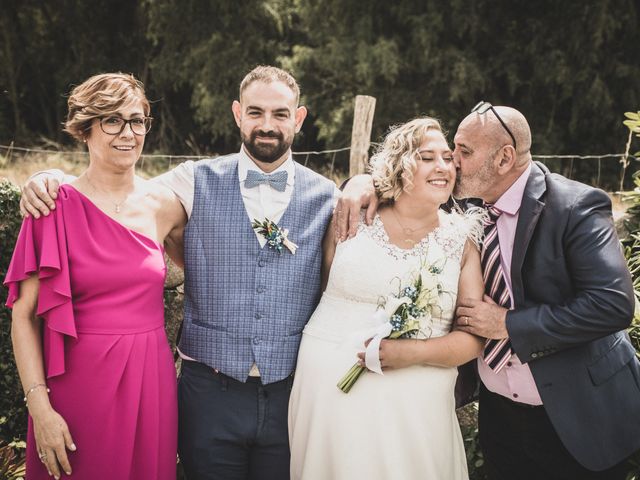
(399, 315)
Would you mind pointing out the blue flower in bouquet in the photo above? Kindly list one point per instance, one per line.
(405, 311)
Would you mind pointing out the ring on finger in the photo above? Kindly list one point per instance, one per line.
(466, 321)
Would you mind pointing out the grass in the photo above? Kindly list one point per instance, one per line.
(17, 167)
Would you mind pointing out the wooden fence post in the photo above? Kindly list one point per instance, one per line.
(361, 133)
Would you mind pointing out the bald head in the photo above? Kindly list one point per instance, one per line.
(485, 156)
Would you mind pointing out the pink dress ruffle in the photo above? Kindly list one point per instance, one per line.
(41, 249)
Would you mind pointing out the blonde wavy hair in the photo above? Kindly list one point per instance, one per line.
(100, 96)
(394, 163)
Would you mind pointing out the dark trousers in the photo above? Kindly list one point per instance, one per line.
(231, 430)
(519, 441)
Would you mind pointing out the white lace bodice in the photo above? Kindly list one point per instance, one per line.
(368, 267)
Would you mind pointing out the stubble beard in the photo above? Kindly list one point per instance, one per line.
(473, 186)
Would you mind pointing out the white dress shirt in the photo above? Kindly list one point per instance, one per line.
(260, 202)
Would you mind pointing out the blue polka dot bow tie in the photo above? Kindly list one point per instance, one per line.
(276, 180)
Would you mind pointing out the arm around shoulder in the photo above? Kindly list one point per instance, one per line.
(40, 191)
(172, 220)
(181, 182)
(329, 243)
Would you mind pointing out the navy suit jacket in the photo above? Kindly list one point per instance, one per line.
(573, 300)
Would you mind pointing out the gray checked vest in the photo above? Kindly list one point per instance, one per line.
(244, 303)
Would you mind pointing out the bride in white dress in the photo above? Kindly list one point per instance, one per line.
(402, 424)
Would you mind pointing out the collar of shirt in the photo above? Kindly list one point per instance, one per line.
(511, 200)
(245, 163)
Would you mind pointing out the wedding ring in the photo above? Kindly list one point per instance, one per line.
(42, 456)
(466, 321)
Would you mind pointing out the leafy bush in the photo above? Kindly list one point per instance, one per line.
(12, 407)
(12, 464)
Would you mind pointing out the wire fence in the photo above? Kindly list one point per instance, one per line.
(334, 163)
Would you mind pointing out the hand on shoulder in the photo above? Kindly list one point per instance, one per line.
(40, 192)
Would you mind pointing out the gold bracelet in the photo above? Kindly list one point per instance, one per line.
(35, 387)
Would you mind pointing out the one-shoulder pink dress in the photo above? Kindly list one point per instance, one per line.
(107, 360)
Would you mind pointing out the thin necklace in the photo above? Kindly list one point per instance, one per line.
(406, 230)
(117, 205)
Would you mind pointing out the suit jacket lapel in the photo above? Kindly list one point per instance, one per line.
(529, 213)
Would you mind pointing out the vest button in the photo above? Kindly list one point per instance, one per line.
(261, 289)
(258, 316)
(261, 263)
(256, 341)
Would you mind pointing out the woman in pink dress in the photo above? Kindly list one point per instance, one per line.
(86, 287)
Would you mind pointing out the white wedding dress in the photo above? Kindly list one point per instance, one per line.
(400, 425)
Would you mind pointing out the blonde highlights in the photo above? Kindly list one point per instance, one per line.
(99, 96)
(394, 163)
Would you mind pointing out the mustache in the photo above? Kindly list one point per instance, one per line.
(266, 134)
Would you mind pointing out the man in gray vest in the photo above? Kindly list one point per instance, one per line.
(247, 295)
(252, 279)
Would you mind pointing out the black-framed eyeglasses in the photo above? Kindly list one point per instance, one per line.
(114, 125)
(484, 107)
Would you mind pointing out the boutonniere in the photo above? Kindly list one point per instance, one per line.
(276, 237)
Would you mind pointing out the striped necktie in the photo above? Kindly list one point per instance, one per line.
(496, 352)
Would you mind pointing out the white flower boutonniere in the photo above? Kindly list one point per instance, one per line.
(276, 237)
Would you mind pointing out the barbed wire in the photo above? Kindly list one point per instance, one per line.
(173, 160)
(310, 152)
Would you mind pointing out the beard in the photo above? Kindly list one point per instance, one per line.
(474, 186)
(267, 153)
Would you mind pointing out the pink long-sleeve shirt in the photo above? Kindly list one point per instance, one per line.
(515, 380)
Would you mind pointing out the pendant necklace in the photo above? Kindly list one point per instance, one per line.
(408, 231)
(117, 205)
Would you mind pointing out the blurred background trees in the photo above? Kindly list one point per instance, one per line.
(571, 67)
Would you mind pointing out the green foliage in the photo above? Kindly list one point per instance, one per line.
(633, 124)
(206, 50)
(569, 66)
(46, 47)
(632, 199)
(555, 61)
(12, 407)
(12, 460)
(632, 254)
(468, 417)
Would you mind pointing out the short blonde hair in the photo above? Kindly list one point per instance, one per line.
(99, 96)
(268, 74)
(394, 163)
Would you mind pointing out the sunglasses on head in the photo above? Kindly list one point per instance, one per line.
(483, 107)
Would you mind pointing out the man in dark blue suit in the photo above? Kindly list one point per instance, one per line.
(561, 399)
